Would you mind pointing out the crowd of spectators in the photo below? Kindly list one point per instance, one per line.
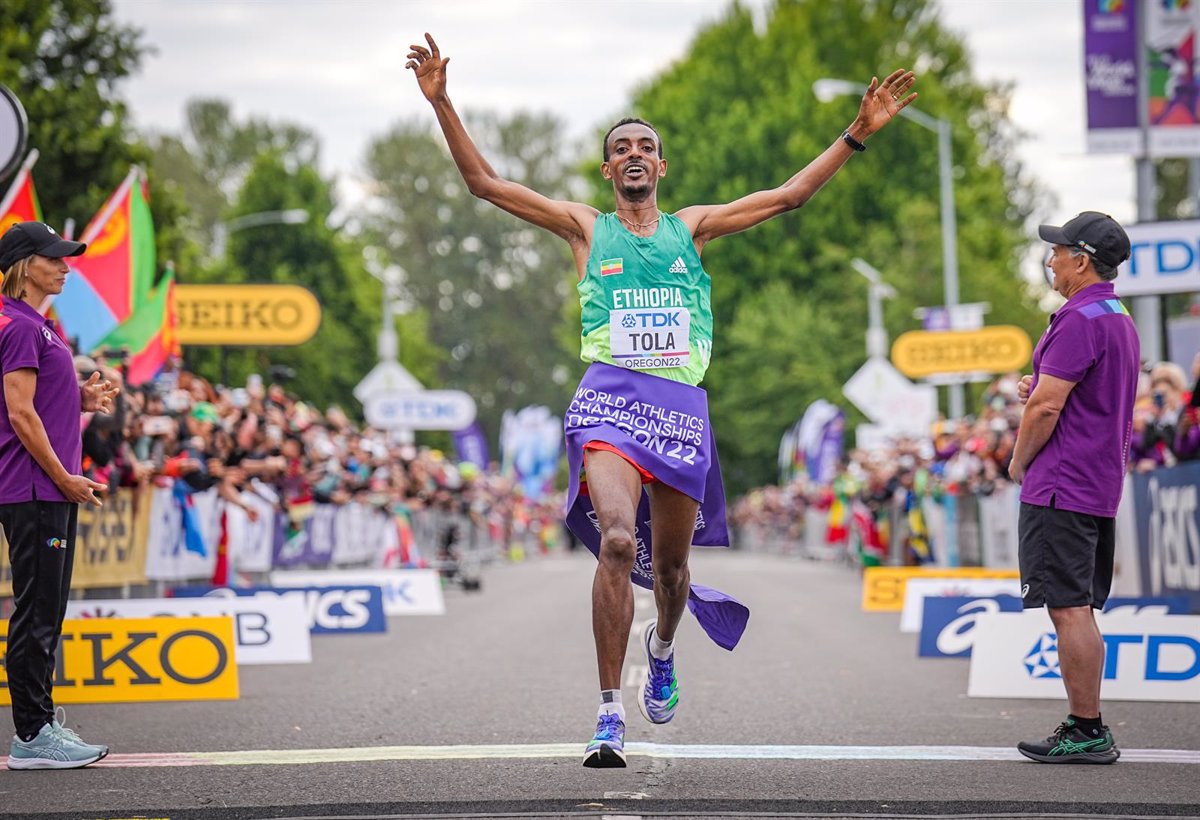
(183, 428)
(970, 456)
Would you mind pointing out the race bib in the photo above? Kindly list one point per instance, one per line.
(645, 338)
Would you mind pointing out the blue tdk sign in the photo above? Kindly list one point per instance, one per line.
(948, 623)
(332, 609)
(1183, 650)
(1165, 258)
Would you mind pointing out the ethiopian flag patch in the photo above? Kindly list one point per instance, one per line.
(608, 267)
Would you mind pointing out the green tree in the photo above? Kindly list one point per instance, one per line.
(737, 114)
(493, 287)
(65, 60)
(317, 255)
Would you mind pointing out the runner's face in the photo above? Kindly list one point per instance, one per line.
(633, 163)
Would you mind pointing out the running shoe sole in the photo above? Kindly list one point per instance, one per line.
(605, 757)
(1101, 758)
(28, 763)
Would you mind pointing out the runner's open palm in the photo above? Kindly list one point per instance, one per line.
(430, 68)
(885, 100)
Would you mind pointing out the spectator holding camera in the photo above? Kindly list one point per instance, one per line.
(1156, 419)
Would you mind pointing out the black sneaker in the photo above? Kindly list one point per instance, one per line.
(1069, 744)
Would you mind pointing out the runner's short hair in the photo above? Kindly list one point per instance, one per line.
(632, 121)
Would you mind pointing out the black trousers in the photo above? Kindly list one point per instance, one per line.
(41, 547)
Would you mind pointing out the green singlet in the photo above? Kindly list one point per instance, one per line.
(646, 301)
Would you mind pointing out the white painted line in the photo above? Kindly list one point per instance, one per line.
(533, 751)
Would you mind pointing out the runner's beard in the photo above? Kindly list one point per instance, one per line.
(638, 191)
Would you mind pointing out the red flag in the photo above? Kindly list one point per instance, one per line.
(20, 204)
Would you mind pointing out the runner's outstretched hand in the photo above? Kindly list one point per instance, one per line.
(882, 101)
(430, 68)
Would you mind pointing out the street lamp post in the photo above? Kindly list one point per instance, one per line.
(826, 90)
(221, 231)
(877, 291)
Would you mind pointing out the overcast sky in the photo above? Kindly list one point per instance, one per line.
(338, 67)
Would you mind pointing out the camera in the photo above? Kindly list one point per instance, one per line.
(280, 373)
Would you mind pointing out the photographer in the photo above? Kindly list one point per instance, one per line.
(1187, 435)
(1156, 421)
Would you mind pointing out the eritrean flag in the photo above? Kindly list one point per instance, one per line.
(20, 204)
(148, 334)
(608, 267)
(112, 280)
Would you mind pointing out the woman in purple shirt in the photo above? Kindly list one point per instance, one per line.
(41, 486)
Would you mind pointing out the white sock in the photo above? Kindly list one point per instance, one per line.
(610, 704)
(658, 647)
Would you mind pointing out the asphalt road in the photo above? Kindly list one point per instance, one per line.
(823, 710)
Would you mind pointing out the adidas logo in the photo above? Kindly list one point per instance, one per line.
(677, 266)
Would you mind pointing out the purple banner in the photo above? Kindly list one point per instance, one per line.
(1110, 63)
(663, 426)
(471, 446)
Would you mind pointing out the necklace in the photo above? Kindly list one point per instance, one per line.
(640, 225)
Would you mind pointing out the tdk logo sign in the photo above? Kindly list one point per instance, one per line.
(1162, 657)
(1165, 258)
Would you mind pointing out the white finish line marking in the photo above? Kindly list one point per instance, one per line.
(536, 751)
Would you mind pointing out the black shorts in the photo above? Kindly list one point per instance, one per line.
(1066, 557)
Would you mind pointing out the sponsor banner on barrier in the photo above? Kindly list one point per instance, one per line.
(266, 630)
(948, 624)
(918, 592)
(883, 587)
(1147, 656)
(110, 544)
(327, 609)
(405, 591)
(141, 659)
(1163, 605)
(1168, 531)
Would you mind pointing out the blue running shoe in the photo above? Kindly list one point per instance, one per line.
(51, 749)
(607, 749)
(661, 695)
(60, 718)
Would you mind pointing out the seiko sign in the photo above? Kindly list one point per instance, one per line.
(1165, 259)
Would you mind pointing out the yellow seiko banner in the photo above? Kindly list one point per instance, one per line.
(117, 660)
(246, 314)
(883, 587)
(110, 543)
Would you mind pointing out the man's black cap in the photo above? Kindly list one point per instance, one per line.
(1094, 232)
(27, 238)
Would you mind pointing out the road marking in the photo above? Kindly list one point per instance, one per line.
(533, 751)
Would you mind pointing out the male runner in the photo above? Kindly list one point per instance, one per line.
(638, 438)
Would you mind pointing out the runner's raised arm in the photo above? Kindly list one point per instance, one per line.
(570, 220)
(880, 103)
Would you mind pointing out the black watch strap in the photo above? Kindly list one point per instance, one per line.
(852, 142)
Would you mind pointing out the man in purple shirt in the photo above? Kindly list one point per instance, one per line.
(41, 486)
(1070, 458)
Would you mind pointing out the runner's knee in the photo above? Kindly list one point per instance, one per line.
(618, 546)
(671, 574)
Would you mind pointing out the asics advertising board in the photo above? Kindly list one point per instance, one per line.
(327, 610)
(1166, 504)
(883, 587)
(405, 591)
(1147, 656)
(140, 659)
(919, 591)
(267, 630)
(948, 624)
